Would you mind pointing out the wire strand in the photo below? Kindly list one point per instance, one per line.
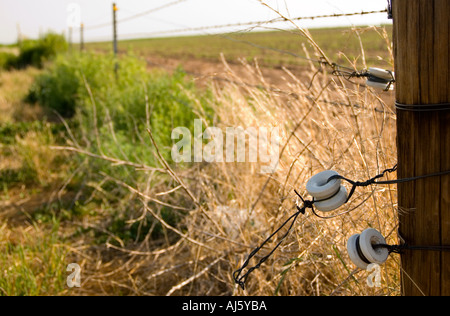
(229, 25)
(401, 248)
(240, 280)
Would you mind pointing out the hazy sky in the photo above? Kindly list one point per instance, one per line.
(35, 16)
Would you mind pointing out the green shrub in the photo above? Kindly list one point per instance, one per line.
(36, 52)
(63, 86)
(107, 115)
(74, 83)
(7, 60)
(56, 89)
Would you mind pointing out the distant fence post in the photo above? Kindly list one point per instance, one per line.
(19, 35)
(114, 29)
(116, 65)
(81, 37)
(421, 48)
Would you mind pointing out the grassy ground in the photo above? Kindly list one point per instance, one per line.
(32, 256)
(342, 44)
(97, 187)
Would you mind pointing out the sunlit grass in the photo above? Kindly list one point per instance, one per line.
(139, 224)
(32, 261)
(250, 45)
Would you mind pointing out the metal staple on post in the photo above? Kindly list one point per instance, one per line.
(389, 9)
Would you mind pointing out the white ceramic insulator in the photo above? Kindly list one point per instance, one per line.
(319, 188)
(353, 253)
(334, 202)
(379, 85)
(382, 73)
(367, 239)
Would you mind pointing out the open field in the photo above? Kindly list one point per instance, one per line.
(87, 176)
(344, 46)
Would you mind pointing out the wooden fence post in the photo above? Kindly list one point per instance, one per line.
(81, 37)
(116, 64)
(421, 48)
(114, 29)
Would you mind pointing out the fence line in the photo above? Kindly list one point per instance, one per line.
(322, 61)
(336, 69)
(254, 24)
(259, 23)
(267, 88)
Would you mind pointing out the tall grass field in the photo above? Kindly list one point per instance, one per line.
(87, 174)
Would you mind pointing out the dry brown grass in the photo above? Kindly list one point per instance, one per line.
(325, 125)
(13, 88)
(230, 208)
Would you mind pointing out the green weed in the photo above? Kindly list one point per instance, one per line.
(37, 52)
(33, 265)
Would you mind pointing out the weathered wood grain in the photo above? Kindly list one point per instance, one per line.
(421, 48)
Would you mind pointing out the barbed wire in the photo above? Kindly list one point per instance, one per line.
(267, 88)
(309, 204)
(337, 70)
(258, 23)
(254, 24)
